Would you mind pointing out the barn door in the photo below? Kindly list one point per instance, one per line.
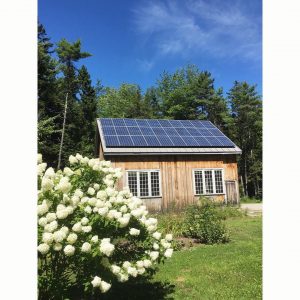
(231, 192)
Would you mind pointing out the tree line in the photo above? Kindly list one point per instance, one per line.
(69, 103)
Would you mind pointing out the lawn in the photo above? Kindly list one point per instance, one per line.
(226, 271)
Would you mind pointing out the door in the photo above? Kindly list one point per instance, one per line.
(231, 192)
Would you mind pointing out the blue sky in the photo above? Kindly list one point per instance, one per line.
(135, 41)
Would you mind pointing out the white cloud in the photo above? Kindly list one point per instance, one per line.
(215, 28)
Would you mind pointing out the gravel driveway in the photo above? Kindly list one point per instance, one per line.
(252, 208)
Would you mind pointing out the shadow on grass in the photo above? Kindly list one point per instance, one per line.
(133, 290)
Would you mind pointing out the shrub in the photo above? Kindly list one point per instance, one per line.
(204, 223)
(91, 236)
(228, 211)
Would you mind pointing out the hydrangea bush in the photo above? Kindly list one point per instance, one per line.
(89, 234)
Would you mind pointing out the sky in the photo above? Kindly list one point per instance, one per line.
(134, 41)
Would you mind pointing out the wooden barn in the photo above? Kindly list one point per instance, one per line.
(170, 163)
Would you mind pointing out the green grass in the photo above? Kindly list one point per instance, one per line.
(250, 200)
(226, 271)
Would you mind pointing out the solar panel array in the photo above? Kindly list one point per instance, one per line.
(162, 133)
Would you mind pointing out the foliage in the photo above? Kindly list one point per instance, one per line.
(125, 102)
(187, 93)
(204, 222)
(221, 271)
(228, 211)
(171, 222)
(87, 229)
(246, 107)
(250, 200)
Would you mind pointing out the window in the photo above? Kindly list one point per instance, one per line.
(208, 181)
(144, 183)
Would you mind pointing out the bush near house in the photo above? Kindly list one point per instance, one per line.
(204, 223)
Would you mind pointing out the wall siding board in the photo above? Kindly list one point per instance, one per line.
(176, 175)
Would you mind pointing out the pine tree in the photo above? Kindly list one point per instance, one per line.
(68, 55)
(88, 103)
(246, 109)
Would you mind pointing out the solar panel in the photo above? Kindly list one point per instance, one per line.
(162, 133)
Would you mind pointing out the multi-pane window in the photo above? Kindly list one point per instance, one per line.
(208, 181)
(144, 183)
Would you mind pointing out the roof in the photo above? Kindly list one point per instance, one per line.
(150, 137)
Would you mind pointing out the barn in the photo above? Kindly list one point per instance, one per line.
(170, 163)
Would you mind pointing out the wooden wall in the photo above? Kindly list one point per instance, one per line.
(176, 175)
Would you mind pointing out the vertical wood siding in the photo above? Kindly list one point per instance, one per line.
(176, 175)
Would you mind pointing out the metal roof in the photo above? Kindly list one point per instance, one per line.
(163, 150)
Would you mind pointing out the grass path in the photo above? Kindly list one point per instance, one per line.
(227, 271)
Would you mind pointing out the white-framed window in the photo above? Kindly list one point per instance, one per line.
(208, 181)
(144, 183)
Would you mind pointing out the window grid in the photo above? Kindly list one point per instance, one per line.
(208, 181)
(155, 184)
(218, 181)
(144, 188)
(198, 182)
(132, 183)
(209, 187)
(144, 183)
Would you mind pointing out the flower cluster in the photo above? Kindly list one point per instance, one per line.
(75, 214)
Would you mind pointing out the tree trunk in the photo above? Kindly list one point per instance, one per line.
(63, 133)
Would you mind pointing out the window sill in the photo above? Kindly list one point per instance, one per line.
(210, 194)
(147, 197)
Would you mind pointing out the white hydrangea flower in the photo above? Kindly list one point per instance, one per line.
(41, 168)
(165, 244)
(51, 226)
(111, 214)
(69, 250)
(147, 263)
(169, 237)
(134, 231)
(64, 185)
(50, 217)
(108, 182)
(68, 171)
(85, 161)
(84, 221)
(86, 229)
(79, 156)
(73, 160)
(155, 246)
(92, 201)
(126, 264)
(123, 209)
(43, 248)
(96, 281)
(156, 235)
(101, 195)
(77, 227)
(103, 211)
(91, 191)
(99, 203)
(57, 247)
(62, 214)
(84, 200)
(115, 269)
(154, 255)
(123, 221)
(110, 191)
(70, 209)
(122, 277)
(59, 236)
(140, 264)
(95, 239)
(96, 186)
(78, 193)
(141, 271)
(72, 238)
(88, 209)
(47, 184)
(47, 237)
(39, 158)
(151, 228)
(86, 247)
(168, 253)
(104, 286)
(132, 271)
(106, 247)
(49, 173)
(65, 229)
(43, 221)
(75, 200)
